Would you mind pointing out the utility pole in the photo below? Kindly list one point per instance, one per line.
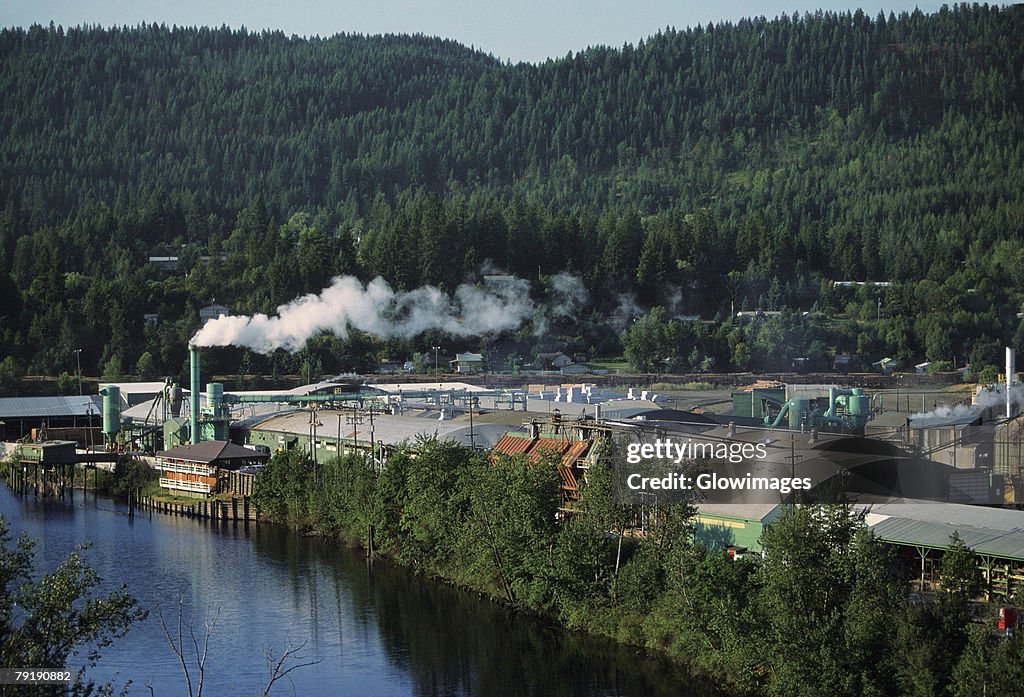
(88, 413)
(793, 457)
(436, 349)
(78, 362)
(373, 456)
(313, 424)
(355, 418)
(472, 435)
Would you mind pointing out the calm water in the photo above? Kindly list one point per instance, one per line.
(378, 631)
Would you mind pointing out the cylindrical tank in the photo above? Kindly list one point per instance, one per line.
(111, 410)
(859, 408)
(859, 404)
(214, 397)
(798, 407)
(194, 396)
(176, 397)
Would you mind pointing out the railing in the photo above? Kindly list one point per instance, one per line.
(183, 468)
(184, 485)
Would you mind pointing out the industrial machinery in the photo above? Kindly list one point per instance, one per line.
(844, 410)
(804, 407)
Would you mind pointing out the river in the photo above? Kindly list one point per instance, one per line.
(376, 630)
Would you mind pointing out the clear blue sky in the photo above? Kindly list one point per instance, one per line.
(529, 31)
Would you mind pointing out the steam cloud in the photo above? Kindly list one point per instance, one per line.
(995, 397)
(376, 309)
(627, 311)
(568, 294)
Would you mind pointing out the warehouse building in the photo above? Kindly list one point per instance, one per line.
(922, 530)
(60, 417)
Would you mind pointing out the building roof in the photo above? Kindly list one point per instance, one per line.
(752, 512)
(468, 358)
(568, 451)
(957, 418)
(126, 388)
(35, 407)
(627, 408)
(209, 451)
(387, 428)
(992, 532)
(446, 386)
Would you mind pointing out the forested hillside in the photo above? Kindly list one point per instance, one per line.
(716, 169)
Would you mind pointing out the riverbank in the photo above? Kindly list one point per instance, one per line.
(380, 628)
(825, 611)
(449, 513)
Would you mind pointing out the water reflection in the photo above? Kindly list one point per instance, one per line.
(380, 630)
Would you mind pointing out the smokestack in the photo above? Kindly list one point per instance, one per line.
(1011, 369)
(193, 353)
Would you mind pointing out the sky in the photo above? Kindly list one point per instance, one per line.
(517, 31)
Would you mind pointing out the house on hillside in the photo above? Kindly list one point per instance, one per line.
(886, 365)
(552, 361)
(844, 363)
(213, 311)
(467, 363)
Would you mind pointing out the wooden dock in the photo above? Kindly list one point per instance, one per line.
(227, 510)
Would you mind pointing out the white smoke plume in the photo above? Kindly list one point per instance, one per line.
(375, 309)
(673, 300)
(994, 397)
(627, 311)
(568, 294)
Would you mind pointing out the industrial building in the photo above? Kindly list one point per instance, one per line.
(920, 530)
(204, 468)
(203, 438)
(575, 454)
(69, 418)
(734, 524)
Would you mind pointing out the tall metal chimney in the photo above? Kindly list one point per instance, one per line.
(1011, 369)
(193, 400)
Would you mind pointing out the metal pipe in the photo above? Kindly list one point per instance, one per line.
(193, 352)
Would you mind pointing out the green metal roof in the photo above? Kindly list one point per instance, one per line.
(1004, 544)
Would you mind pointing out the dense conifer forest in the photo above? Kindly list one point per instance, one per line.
(704, 171)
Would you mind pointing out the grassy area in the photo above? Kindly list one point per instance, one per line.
(614, 365)
(684, 387)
